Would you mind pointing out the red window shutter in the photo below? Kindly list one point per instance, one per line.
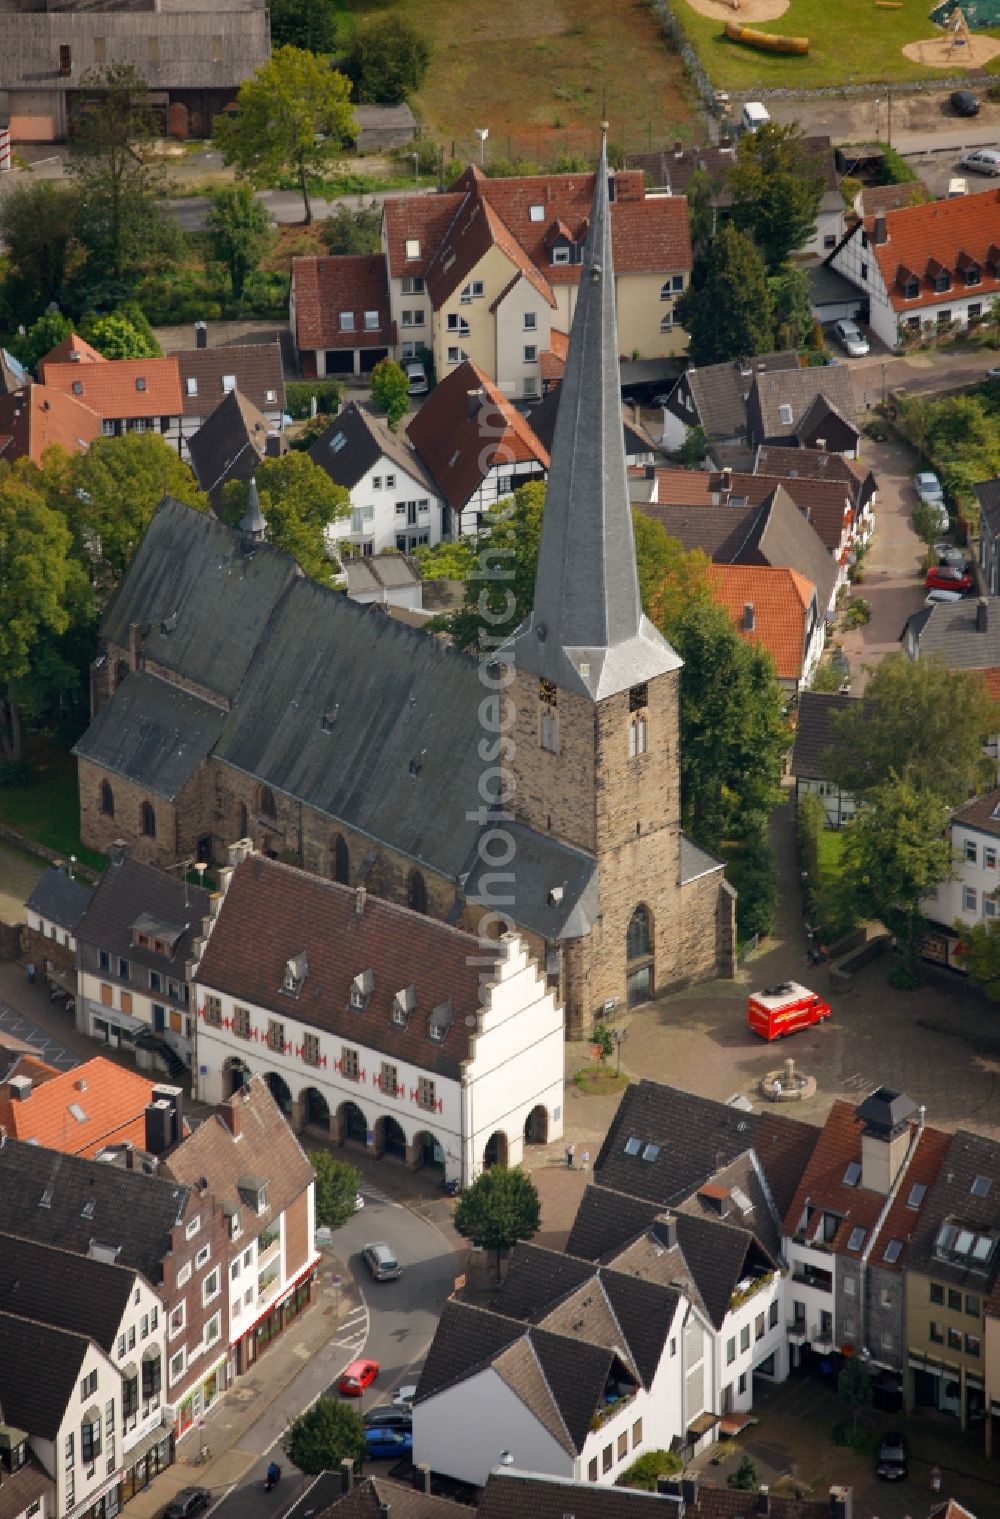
(413, 1094)
(322, 1060)
(338, 1065)
(298, 1051)
(364, 1073)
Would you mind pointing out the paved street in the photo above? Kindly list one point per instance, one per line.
(15, 1026)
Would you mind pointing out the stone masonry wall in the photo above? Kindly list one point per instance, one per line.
(554, 792)
(99, 829)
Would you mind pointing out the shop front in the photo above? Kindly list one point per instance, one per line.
(200, 1399)
(145, 1460)
(274, 1321)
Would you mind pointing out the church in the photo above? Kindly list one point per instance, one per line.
(536, 787)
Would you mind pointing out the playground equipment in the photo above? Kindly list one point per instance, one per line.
(767, 42)
(958, 30)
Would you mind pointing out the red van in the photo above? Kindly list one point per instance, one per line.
(784, 1009)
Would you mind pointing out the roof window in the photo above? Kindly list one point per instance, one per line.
(981, 1186)
(440, 1021)
(337, 442)
(633, 1146)
(536, 213)
(296, 970)
(403, 1004)
(853, 1174)
(893, 1251)
(741, 1200)
(413, 247)
(78, 387)
(228, 383)
(856, 1239)
(78, 1112)
(140, 383)
(785, 414)
(270, 396)
(191, 385)
(650, 1152)
(917, 1194)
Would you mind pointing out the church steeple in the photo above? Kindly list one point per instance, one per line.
(587, 632)
(253, 524)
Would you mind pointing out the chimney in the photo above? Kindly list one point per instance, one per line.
(763, 1500)
(159, 1126)
(422, 1478)
(230, 1115)
(678, 148)
(689, 1487)
(346, 1474)
(175, 1097)
(19, 1088)
(134, 645)
(747, 623)
(359, 901)
(982, 615)
(81, 1085)
(474, 400)
(840, 1503)
(666, 1231)
(820, 444)
(880, 233)
(200, 335)
(385, 1511)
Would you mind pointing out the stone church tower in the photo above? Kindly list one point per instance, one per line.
(595, 693)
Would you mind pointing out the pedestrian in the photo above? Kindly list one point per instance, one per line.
(570, 1152)
(585, 1160)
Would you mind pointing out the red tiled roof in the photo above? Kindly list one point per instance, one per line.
(901, 1221)
(780, 599)
(683, 487)
(63, 353)
(123, 387)
(991, 680)
(825, 503)
(423, 218)
(40, 417)
(460, 450)
(939, 232)
(81, 1111)
(350, 283)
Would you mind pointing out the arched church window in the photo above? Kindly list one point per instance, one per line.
(639, 940)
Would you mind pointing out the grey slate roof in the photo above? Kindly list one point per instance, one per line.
(988, 495)
(696, 1137)
(30, 1399)
(539, 864)
(62, 1289)
(801, 389)
(129, 888)
(951, 1199)
(153, 733)
(635, 439)
(256, 368)
(949, 631)
(203, 602)
(229, 444)
(60, 898)
(367, 438)
(695, 861)
(42, 1194)
(367, 1497)
(720, 391)
(815, 733)
(587, 632)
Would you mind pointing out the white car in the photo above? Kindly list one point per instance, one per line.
(417, 377)
(928, 487)
(933, 597)
(982, 161)
(851, 339)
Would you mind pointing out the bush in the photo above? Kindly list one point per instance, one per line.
(751, 871)
(746, 1476)
(265, 293)
(644, 1472)
(16, 772)
(859, 612)
(388, 61)
(183, 295)
(299, 394)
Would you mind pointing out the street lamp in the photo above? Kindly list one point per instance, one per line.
(482, 133)
(878, 103)
(416, 167)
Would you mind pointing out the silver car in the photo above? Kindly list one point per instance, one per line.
(982, 161)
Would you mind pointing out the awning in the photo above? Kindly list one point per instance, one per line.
(120, 1020)
(702, 1425)
(735, 1424)
(134, 1453)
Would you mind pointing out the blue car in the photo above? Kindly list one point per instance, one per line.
(387, 1444)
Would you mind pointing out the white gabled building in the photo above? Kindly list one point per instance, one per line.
(970, 896)
(380, 1027)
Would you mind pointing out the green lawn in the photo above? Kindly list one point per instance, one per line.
(851, 43)
(831, 847)
(48, 808)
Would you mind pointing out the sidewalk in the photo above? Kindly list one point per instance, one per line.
(306, 1358)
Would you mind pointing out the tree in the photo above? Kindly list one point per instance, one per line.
(746, 1476)
(391, 391)
(337, 1186)
(35, 550)
(388, 61)
(500, 1208)
(895, 852)
(921, 722)
(309, 24)
(776, 188)
(980, 955)
(293, 117)
(299, 501)
(854, 1386)
(325, 1435)
(670, 576)
(118, 337)
(789, 292)
(117, 178)
(750, 869)
(927, 523)
(603, 1041)
(446, 561)
(500, 589)
(691, 454)
(41, 337)
(240, 232)
(348, 231)
(727, 311)
(701, 190)
(38, 228)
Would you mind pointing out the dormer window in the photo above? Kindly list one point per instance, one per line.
(403, 1004)
(939, 276)
(560, 254)
(440, 1022)
(968, 267)
(296, 970)
(361, 990)
(911, 289)
(253, 1191)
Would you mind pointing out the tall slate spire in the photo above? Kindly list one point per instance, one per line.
(587, 632)
(252, 524)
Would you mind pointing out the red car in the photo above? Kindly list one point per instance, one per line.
(945, 577)
(355, 1378)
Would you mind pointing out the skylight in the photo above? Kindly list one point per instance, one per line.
(78, 1112)
(413, 247)
(963, 1244)
(140, 383)
(785, 414)
(893, 1251)
(741, 1200)
(981, 1186)
(337, 442)
(917, 1194)
(536, 213)
(192, 386)
(853, 1174)
(650, 1152)
(857, 1239)
(633, 1146)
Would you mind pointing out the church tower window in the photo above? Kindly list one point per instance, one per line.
(549, 722)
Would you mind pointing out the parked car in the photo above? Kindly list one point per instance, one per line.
(388, 1444)
(387, 1417)
(381, 1262)
(993, 373)
(982, 161)
(851, 338)
(933, 597)
(188, 1502)
(416, 375)
(957, 187)
(928, 487)
(892, 1456)
(947, 577)
(955, 557)
(356, 1377)
(964, 103)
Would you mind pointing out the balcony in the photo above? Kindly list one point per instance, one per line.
(797, 1331)
(617, 1395)
(748, 1289)
(812, 1276)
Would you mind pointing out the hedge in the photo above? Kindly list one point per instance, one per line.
(299, 393)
